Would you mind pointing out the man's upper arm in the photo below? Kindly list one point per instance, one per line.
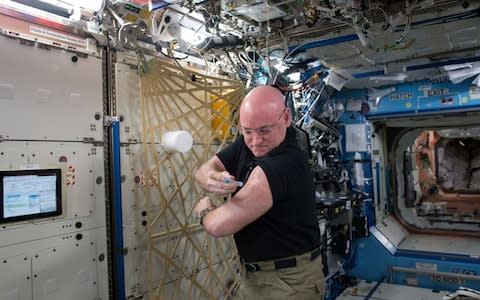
(249, 204)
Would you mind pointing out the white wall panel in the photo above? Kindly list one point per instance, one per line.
(49, 94)
(128, 96)
(101, 263)
(82, 164)
(51, 101)
(65, 270)
(61, 267)
(15, 278)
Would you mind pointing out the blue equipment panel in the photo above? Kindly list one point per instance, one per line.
(427, 97)
(416, 98)
(376, 259)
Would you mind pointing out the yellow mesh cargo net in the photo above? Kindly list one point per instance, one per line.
(183, 262)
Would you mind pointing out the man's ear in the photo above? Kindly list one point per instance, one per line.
(289, 117)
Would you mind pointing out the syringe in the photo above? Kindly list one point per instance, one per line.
(228, 180)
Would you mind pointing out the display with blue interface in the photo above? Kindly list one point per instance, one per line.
(30, 194)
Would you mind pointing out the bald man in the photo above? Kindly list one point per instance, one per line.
(272, 212)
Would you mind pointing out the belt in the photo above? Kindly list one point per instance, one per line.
(281, 263)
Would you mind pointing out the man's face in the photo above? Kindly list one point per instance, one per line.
(263, 132)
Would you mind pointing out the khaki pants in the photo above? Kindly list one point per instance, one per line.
(303, 282)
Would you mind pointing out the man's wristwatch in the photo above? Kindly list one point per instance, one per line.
(203, 213)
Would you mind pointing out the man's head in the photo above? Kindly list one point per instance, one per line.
(264, 119)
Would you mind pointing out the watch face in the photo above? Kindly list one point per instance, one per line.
(204, 212)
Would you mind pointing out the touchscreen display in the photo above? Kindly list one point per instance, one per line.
(30, 194)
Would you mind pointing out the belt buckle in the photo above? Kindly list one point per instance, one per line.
(251, 267)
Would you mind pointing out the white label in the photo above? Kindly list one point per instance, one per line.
(356, 137)
(59, 36)
(426, 267)
(474, 92)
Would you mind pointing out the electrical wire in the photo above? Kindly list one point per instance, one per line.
(406, 29)
(170, 55)
(310, 108)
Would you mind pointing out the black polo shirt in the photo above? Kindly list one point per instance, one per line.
(290, 227)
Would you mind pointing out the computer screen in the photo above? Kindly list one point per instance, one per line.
(30, 194)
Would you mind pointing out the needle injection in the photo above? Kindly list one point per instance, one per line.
(228, 180)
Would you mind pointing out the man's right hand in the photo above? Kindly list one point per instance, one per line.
(216, 183)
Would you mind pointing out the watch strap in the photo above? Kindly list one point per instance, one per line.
(203, 213)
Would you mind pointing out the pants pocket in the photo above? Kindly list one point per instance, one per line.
(265, 286)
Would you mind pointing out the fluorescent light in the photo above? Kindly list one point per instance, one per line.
(62, 4)
(90, 5)
(33, 11)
